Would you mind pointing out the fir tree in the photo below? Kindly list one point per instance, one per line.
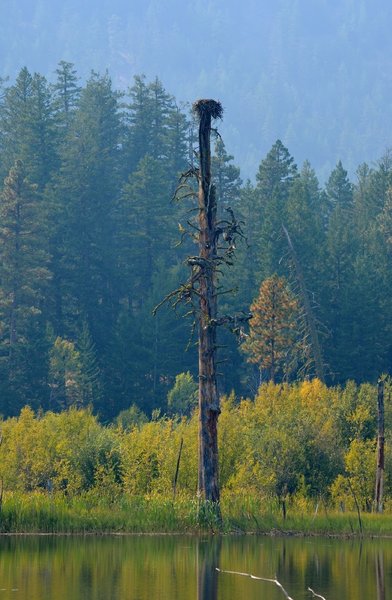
(271, 343)
(66, 94)
(24, 277)
(27, 128)
(146, 231)
(84, 213)
(275, 177)
(226, 177)
(90, 377)
(341, 251)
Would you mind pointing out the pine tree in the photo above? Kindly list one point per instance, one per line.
(226, 177)
(24, 277)
(146, 232)
(137, 141)
(83, 203)
(275, 176)
(276, 172)
(162, 106)
(272, 340)
(90, 378)
(128, 366)
(27, 128)
(66, 95)
(339, 188)
(371, 294)
(341, 251)
(244, 275)
(14, 120)
(307, 253)
(177, 143)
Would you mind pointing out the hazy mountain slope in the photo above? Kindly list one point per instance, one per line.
(312, 72)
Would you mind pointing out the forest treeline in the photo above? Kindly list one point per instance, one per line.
(301, 78)
(88, 235)
(298, 444)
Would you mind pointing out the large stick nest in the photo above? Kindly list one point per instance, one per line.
(212, 107)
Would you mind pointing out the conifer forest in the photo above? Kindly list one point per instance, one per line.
(195, 299)
(92, 240)
(96, 230)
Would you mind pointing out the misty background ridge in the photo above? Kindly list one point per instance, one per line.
(313, 73)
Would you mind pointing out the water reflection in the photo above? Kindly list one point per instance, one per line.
(380, 581)
(184, 568)
(208, 556)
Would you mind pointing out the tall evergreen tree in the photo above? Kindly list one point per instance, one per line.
(66, 94)
(226, 177)
(177, 143)
(27, 128)
(305, 222)
(90, 380)
(147, 233)
(272, 340)
(14, 120)
(84, 197)
(341, 244)
(275, 177)
(244, 275)
(155, 127)
(137, 139)
(24, 276)
(162, 106)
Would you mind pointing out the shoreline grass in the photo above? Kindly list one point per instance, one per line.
(40, 513)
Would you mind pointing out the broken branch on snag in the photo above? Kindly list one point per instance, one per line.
(229, 319)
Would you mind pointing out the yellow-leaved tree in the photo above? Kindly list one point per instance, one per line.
(272, 343)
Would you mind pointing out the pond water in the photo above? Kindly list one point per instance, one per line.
(184, 568)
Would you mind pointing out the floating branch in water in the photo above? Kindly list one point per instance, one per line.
(275, 581)
(316, 595)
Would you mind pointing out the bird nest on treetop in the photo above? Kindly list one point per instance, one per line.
(212, 107)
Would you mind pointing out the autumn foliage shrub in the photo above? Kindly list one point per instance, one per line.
(298, 443)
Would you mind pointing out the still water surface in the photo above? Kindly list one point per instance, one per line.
(184, 568)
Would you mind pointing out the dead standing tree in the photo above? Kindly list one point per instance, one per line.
(216, 241)
(208, 483)
(378, 496)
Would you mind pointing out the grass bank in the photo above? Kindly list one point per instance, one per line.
(42, 513)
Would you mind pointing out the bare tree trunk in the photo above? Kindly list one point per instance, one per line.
(177, 469)
(200, 292)
(380, 449)
(209, 409)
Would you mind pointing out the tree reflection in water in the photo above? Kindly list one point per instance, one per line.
(208, 556)
(380, 575)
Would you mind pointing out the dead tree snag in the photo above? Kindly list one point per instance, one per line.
(216, 243)
(380, 448)
(208, 485)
